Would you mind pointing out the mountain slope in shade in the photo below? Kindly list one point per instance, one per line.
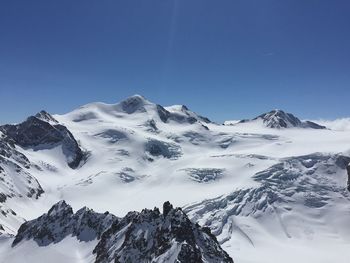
(280, 119)
(146, 236)
(43, 132)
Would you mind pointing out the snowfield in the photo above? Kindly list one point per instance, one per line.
(268, 194)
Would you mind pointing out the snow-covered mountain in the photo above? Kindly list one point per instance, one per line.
(280, 119)
(261, 191)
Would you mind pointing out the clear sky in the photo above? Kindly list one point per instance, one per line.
(225, 59)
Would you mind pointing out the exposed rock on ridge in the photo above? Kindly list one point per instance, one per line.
(139, 237)
(43, 131)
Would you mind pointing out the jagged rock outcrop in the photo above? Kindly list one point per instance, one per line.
(280, 119)
(43, 131)
(60, 222)
(150, 236)
(139, 237)
(348, 170)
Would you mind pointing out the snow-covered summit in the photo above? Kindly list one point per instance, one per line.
(136, 108)
(281, 119)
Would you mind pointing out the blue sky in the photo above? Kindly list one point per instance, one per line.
(225, 59)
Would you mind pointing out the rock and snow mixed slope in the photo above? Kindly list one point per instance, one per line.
(262, 187)
(299, 200)
(279, 119)
(146, 236)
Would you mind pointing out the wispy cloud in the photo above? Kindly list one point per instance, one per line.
(342, 124)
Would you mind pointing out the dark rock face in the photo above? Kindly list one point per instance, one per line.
(133, 104)
(147, 236)
(160, 148)
(41, 132)
(60, 222)
(348, 170)
(280, 119)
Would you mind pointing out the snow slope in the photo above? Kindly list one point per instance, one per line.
(139, 154)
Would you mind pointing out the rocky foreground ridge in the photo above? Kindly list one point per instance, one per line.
(146, 236)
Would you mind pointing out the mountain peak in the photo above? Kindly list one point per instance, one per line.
(60, 207)
(45, 116)
(280, 119)
(36, 133)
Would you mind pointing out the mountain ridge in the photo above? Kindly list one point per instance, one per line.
(146, 236)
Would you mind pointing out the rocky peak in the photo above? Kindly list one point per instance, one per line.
(60, 222)
(280, 119)
(167, 207)
(60, 209)
(45, 116)
(146, 236)
(38, 134)
(151, 236)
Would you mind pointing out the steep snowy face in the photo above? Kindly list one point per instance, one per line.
(60, 222)
(298, 188)
(146, 236)
(15, 182)
(15, 179)
(280, 119)
(44, 132)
